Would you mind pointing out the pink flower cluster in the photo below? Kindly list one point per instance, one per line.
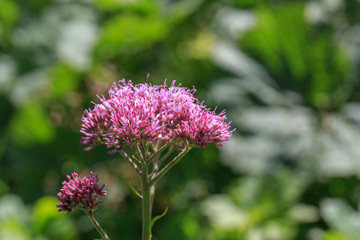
(80, 193)
(133, 113)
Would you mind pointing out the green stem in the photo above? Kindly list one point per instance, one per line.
(158, 151)
(133, 163)
(146, 204)
(97, 225)
(166, 168)
(148, 182)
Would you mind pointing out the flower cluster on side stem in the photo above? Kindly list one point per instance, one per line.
(80, 193)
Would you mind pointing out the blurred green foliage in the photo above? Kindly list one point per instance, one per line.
(301, 57)
(287, 73)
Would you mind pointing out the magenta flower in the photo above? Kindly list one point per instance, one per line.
(134, 113)
(154, 122)
(80, 193)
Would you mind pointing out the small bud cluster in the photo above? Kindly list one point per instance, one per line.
(80, 193)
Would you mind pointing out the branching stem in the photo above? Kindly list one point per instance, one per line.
(168, 166)
(132, 162)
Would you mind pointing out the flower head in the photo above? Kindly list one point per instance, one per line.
(80, 193)
(134, 113)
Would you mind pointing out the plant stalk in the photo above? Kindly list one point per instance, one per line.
(97, 225)
(146, 204)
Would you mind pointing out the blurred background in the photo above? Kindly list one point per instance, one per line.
(286, 71)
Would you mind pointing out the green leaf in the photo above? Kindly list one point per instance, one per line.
(129, 33)
(9, 14)
(64, 79)
(47, 221)
(135, 190)
(30, 126)
(156, 218)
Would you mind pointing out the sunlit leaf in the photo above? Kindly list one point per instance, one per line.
(64, 78)
(30, 125)
(130, 31)
(9, 14)
(47, 221)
